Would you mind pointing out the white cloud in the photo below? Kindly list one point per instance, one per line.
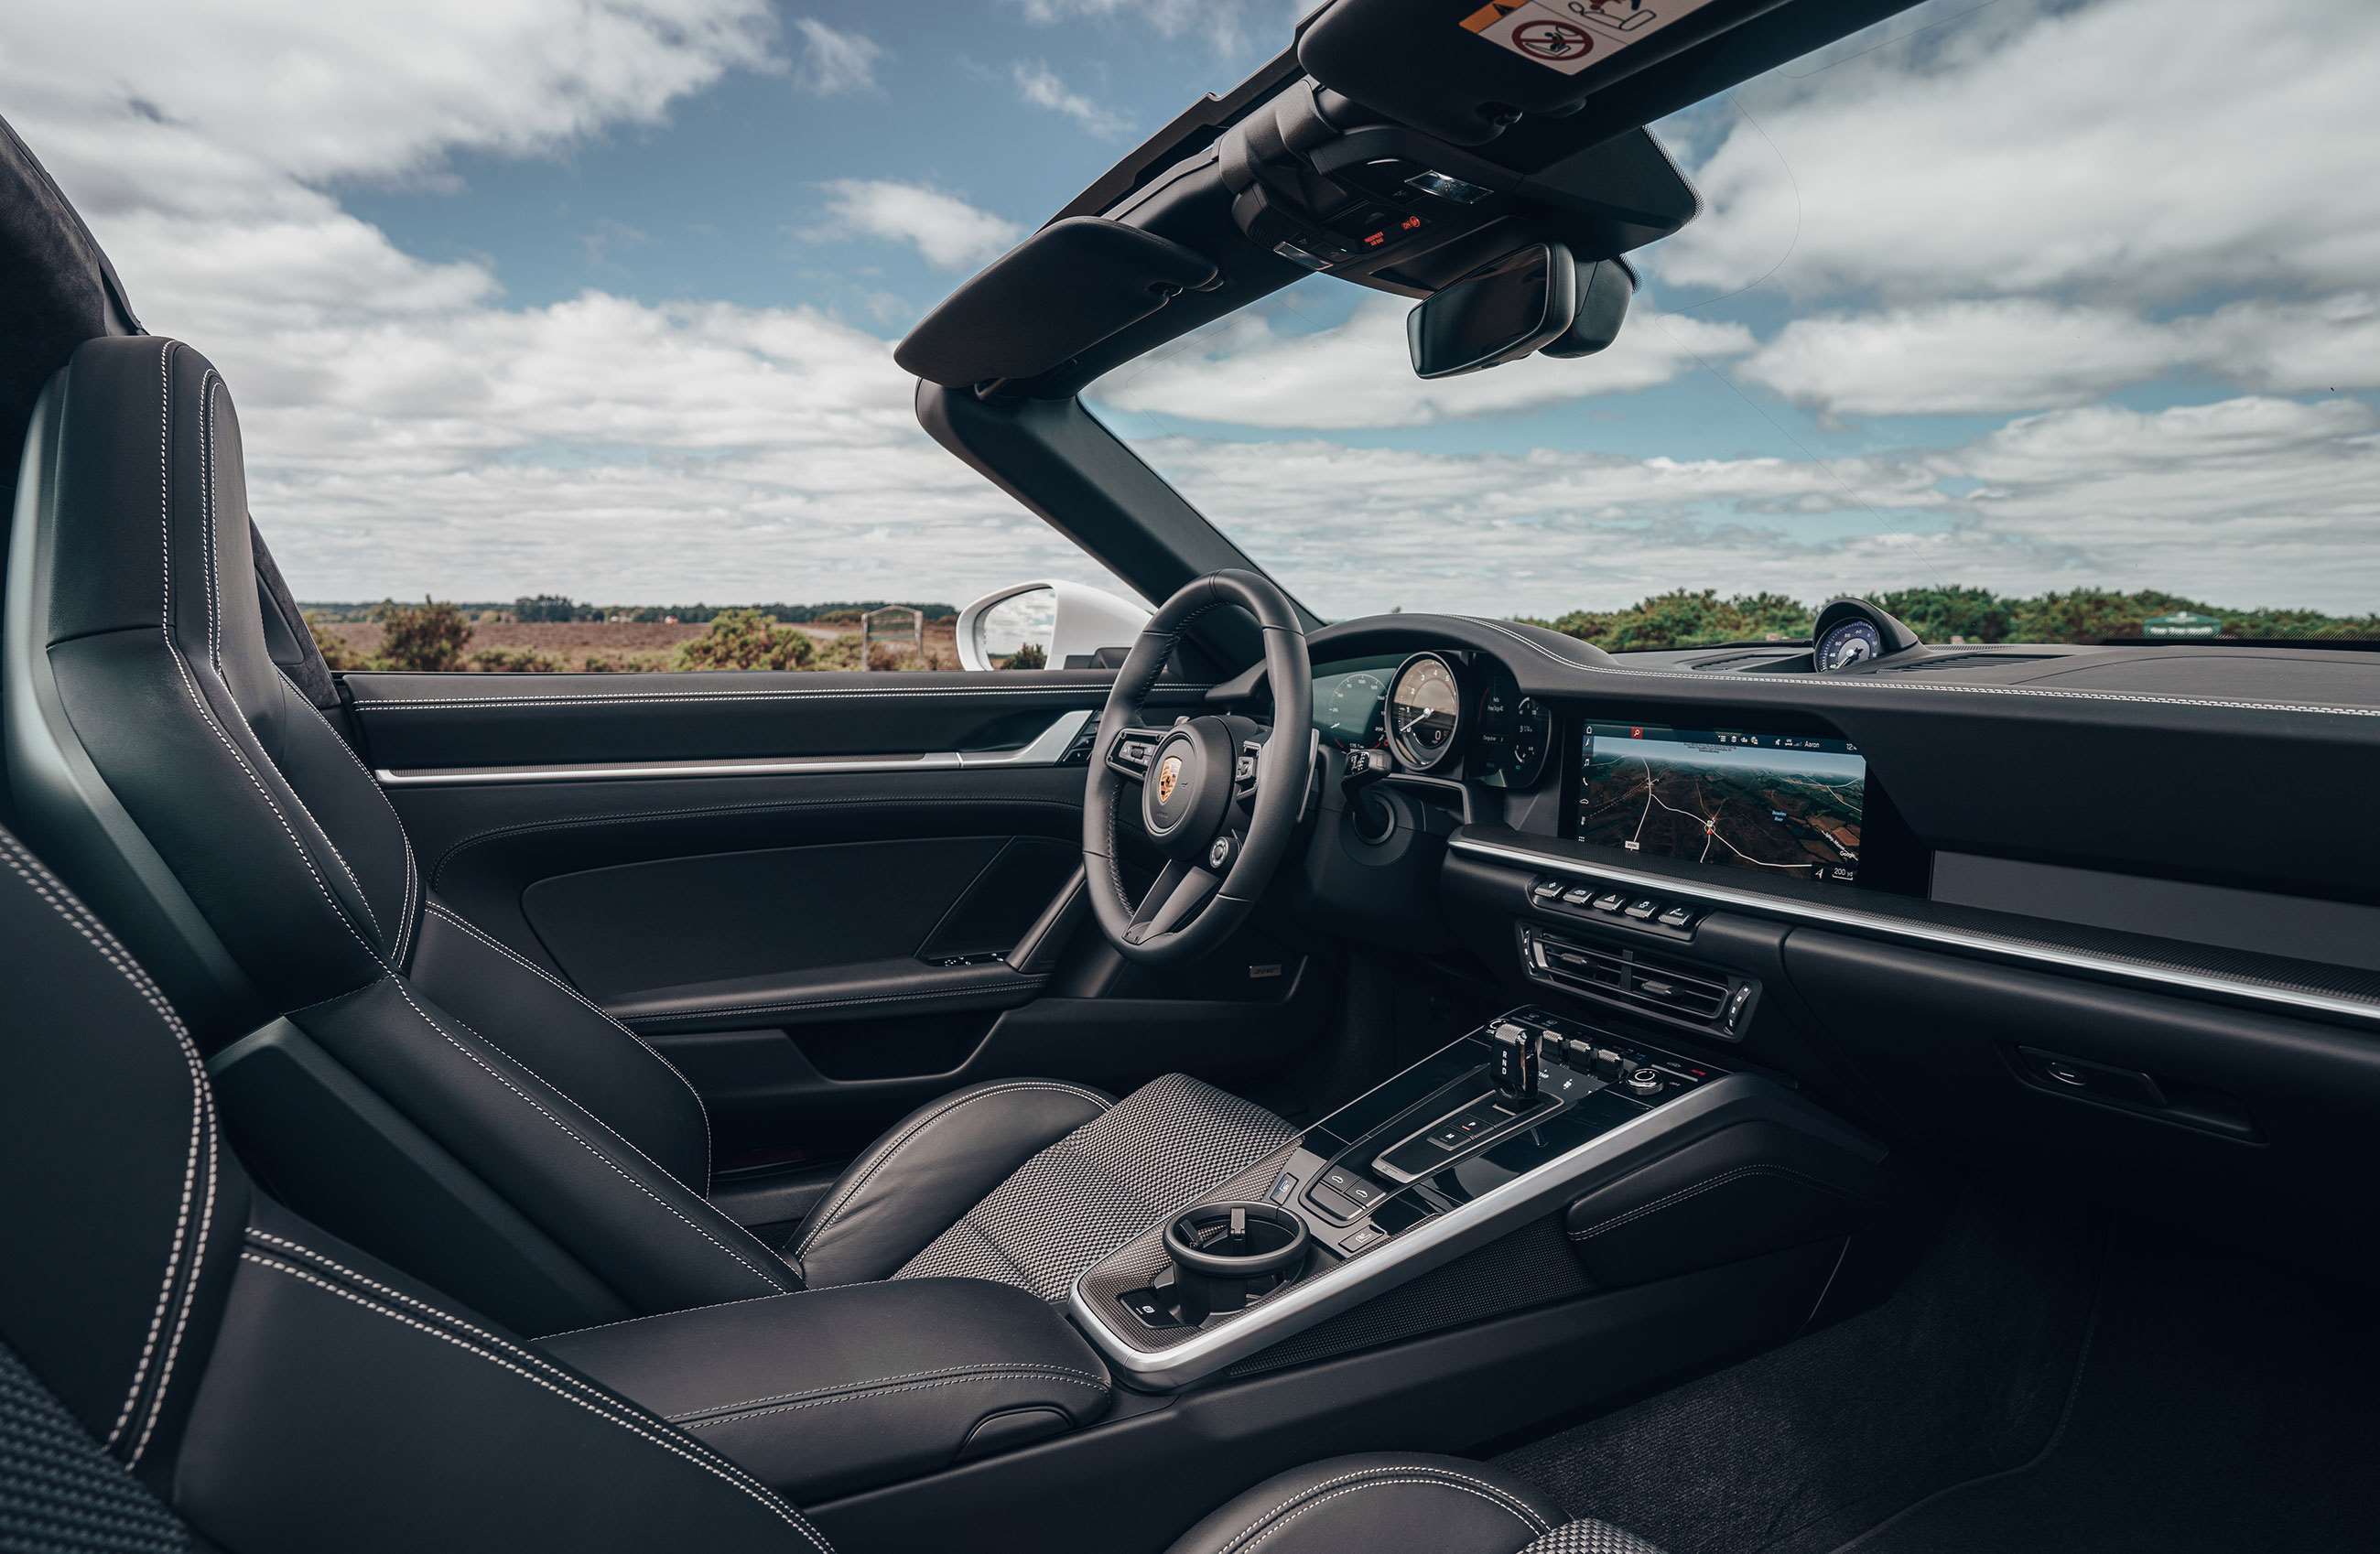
(834, 60)
(2011, 354)
(1043, 88)
(2247, 502)
(190, 106)
(1358, 373)
(1228, 27)
(2134, 147)
(948, 231)
(406, 431)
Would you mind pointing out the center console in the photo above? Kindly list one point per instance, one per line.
(1529, 1115)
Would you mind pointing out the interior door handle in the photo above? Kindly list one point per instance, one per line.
(1035, 953)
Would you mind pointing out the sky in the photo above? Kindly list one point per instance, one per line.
(599, 298)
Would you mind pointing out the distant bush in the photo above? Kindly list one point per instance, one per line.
(337, 650)
(515, 660)
(748, 640)
(601, 662)
(1032, 655)
(430, 637)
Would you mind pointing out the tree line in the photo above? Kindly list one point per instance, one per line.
(1689, 618)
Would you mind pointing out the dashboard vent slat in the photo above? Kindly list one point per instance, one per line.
(1696, 994)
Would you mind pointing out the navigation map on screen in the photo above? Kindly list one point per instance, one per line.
(1785, 804)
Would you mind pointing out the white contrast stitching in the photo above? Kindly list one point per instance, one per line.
(398, 983)
(886, 1381)
(826, 1216)
(1265, 1526)
(687, 1423)
(1412, 1473)
(209, 386)
(202, 1145)
(443, 915)
(191, 685)
(412, 873)
(587, 1398)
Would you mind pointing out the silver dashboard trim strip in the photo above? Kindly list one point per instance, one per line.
(1046, 749)
(1437, 1240)
(1849, 916)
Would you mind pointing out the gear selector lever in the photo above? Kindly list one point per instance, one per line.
(1516, 1061)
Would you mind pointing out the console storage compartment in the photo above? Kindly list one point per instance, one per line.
(827, 1391)
(1731, 1193)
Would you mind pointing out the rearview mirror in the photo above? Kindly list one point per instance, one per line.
(1503, 313)
(1604, 290)
(1046, 626)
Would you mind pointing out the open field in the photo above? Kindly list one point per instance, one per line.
(640, 645)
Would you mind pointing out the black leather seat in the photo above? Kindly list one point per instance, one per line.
(178, 1353)
(434, 1096)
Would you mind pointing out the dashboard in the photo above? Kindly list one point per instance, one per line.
(2095, 911)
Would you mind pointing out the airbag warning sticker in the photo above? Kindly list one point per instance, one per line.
(1569, 35)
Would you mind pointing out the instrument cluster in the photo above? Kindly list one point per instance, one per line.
(1445, 714)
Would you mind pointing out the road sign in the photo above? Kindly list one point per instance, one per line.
(2182, 623)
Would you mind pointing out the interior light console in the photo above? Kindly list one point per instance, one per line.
(1509, 1122)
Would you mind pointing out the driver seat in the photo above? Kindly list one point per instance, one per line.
(413, 1084)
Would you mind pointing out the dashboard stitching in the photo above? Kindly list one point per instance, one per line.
(1947, 689)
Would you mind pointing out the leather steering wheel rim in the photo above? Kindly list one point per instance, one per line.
(1222, 851)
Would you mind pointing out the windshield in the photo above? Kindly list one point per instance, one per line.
(2028, 321)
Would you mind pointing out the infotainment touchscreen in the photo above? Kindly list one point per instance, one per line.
(1792, 805)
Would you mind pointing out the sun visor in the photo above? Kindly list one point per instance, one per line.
(1054, 296)
(1464, 70)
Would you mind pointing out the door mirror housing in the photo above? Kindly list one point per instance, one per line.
(1524, 301)
(1045, 624)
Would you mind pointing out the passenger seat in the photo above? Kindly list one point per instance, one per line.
(180, 1355)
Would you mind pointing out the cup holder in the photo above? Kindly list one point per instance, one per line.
(1227, 1255)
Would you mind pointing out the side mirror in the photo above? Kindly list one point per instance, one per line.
(1501, 313)
(1044, 625)
(1605, 288)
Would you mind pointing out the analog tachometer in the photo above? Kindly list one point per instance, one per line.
(1425, 711)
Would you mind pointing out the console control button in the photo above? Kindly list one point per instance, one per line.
(1336, 1204)
(1644, 1080)
(1611, 901)
(1581, 1054)
(1641, 908)
(1578, 895)
(1676, 917)
(1365, 1238)
(1282, 1186)
(1546, 890)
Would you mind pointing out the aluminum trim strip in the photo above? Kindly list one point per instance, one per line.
(1407, 1255)
(1046, 749)
(1849, 916)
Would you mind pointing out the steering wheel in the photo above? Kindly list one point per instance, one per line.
(1218, 795)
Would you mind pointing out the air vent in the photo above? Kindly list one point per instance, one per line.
(1695, 995)
(1747, 661)
(1955, 662)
